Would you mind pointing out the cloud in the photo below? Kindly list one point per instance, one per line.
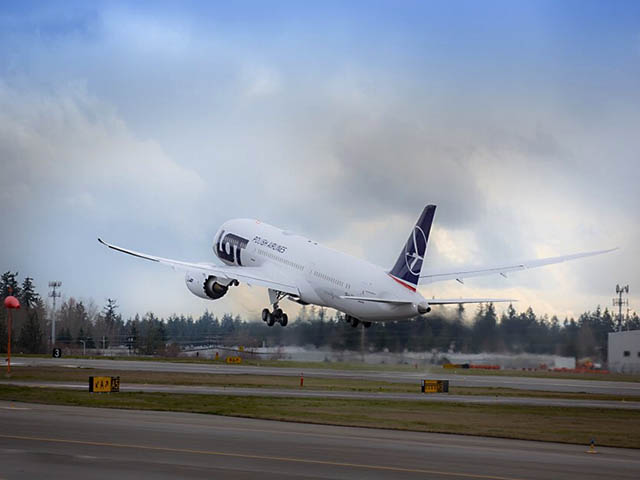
(66, 147)
(155, 126)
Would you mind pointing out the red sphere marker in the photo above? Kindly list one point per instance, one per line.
(10, 303)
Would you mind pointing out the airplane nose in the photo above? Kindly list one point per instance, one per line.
(423, 308)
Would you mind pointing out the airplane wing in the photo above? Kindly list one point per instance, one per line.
(249, 275)
(463, 273)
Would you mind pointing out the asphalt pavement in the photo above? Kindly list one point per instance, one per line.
(46, 441)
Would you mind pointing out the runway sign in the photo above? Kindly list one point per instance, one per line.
(455, 365)
(434, 386)
(57, 353)
(233, 360)
(104, 384)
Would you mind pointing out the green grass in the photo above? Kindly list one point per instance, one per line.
(360, 366)
(62, 374)
(619, 428)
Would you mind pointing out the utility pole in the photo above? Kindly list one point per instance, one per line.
(54, 294)
(618, 302)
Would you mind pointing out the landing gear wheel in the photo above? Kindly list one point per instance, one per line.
(284, 319)
(278, 313)
(366, 324)
(265, 314)
(354, 322)
(271, 320)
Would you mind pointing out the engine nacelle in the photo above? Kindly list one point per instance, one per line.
(423, 308)
(206, 286)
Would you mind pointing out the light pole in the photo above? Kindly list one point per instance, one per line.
(618, 302)
(84, 348)
(10, 303)
(54, 294)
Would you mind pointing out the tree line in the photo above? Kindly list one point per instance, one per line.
(85, 325)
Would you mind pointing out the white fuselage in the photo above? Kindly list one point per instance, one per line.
(321, 274)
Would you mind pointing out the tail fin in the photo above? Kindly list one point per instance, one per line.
(409, 263)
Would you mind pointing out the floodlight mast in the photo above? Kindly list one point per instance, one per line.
(618, 302)
(54, 294)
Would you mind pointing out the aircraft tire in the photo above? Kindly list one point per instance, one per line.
(354, 322)
(284, 319)
(271, 320)
(265, 314)
(366, 324)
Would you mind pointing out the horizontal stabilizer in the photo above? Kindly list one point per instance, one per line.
(376, 299)
(456, 301)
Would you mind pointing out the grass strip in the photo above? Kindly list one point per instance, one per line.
(361, 366)
(617, 428)
(62, 374)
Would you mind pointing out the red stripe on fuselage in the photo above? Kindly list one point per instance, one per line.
(405, 285)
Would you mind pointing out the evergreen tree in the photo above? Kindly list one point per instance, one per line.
(28, 296)
(9, 285)
(64, 336)
(133, 336)
(3, 330)
(31, 338)
(484, 329)
(109, 313)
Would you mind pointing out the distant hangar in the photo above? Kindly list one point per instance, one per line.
(624, 351)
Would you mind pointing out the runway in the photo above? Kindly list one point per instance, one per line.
(289, 392)
(44, 441)
(458, 380)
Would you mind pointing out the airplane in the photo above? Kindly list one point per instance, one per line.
(296, 268)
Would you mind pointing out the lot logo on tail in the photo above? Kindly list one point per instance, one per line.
(414, 251)
(409, 263)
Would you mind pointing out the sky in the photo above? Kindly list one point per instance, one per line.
(151, 123)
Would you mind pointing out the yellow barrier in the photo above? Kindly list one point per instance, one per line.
(434, 386)
(104, 384)
(233, 360)
(455, 365)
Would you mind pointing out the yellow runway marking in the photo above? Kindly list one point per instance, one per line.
(260, 457)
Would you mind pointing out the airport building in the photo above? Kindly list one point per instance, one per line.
(624, 351)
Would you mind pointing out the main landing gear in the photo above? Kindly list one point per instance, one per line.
(276, 316)
(354, 322)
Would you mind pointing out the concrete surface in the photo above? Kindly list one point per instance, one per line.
(44, 441)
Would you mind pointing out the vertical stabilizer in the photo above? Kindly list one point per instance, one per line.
(409, 264)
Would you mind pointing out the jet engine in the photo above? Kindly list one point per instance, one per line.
(206, 286)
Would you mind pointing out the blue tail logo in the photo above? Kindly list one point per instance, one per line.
(414, 251)
(409, 263)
